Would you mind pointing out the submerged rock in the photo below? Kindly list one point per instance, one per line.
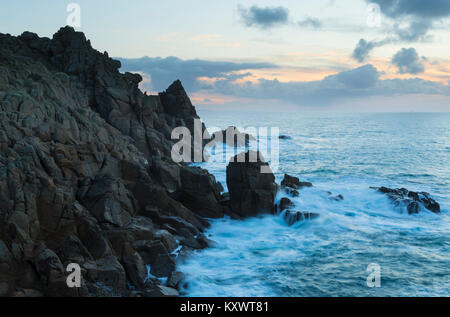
(251, 185)
(284, 137)
(336, 198)
(285, 203)
(292, 192)
(291, 216)
(409, 199)
(294, 182)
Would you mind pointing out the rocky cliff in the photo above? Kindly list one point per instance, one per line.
(86, 174)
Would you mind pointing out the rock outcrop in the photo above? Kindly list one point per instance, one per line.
(293, 182)
(286, 203)
(412, 201)
(292, 216)
(252, 191)
(86, 174)
(233, 137)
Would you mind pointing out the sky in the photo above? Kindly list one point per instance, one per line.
(356, 55)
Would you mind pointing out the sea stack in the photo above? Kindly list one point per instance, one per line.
(252, 192)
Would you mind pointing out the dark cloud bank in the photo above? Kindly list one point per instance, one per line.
(420, 17)
(417, 8)
(360, 82)
(163, 71)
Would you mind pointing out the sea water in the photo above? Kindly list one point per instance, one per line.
(342, 153)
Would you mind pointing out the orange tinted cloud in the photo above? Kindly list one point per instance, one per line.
(435, 70)
(286, 74)
(280, 74)
(202, 98)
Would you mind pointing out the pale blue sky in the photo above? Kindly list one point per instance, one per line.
(303, 55)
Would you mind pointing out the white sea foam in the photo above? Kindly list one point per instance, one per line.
(328, 256)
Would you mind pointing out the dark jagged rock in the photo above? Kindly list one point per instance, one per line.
(411, 200)
(175, 279)
(413, 208)
(291, 216)
(109, 201)
(193, 181)
(134, 267)
(167, 239)
(149, 250)
(179, 112)
(252, 192)
(163, 265)
(179, 224)
(85, 166)
(294, 182)
(285, 203)
(233, 137)
(107, 272)
(51, 271)
(176, 102)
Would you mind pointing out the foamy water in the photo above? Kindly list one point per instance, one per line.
(328, 256)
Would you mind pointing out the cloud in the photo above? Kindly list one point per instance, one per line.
(361, 82)
(217, 78)
(414, 19)
(163, 71)
(415, 8)
(408, 61)
(359, 78)
(415, 31)
(264, 17)
(418, 14)
(310, 22)
(362, 50)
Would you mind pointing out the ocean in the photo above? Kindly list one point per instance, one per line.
(342, 153)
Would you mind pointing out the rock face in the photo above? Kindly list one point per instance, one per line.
(251, 191)
(411, 200)
(86, 174)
